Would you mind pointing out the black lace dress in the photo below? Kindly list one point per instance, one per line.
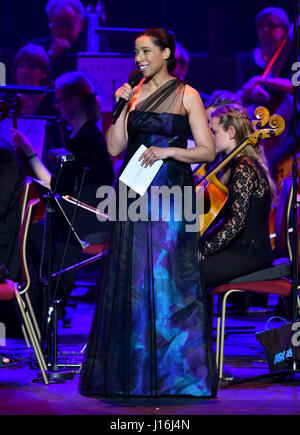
(239, 243)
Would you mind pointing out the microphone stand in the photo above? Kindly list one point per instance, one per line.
(50, 303)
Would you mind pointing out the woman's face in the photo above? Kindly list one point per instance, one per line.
(270, 30)
(66, 105)
(149, 58)
(28, 73)
(223, 140)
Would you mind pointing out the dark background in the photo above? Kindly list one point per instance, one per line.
(212, 31)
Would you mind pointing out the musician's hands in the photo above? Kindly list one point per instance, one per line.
(249, 86)
(58, 46)
(253, 89)
(155, 153)
(260, 95)
(19, 140)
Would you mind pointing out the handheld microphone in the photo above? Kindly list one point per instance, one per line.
(134, 79)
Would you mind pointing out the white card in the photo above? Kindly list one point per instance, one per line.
(136, 176)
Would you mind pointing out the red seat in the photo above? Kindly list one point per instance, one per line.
(95, 249)
(7, 290)
(281, 287)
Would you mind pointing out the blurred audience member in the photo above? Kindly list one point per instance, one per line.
(67, 34)
(182, 57)
(219, 98)
(32, 67)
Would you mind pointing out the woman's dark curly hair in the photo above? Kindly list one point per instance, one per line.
(162, 39)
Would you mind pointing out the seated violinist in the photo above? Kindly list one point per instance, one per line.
(272, 25)
(239, 241)
(264, 78)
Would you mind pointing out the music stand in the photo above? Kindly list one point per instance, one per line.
(50, 303)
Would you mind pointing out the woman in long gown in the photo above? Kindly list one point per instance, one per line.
(149, 335)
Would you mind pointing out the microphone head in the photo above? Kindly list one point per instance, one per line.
(135, 78)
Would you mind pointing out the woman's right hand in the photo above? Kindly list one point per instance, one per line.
(125, 92)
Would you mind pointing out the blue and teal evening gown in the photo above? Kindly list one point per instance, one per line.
(149, 336)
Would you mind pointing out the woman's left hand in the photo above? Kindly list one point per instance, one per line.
(155, 153)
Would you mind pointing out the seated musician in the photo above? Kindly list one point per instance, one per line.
(238, 242)
(264, 79)
(32, 67)
(78, 105)
(12, 179)
(67, 34)
(272, 25)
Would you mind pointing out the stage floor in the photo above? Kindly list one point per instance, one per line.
(244, 357)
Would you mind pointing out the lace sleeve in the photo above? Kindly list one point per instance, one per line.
(240, 191)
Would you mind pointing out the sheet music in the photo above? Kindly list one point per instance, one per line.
(136, 176)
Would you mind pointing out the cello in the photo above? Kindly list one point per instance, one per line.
(215, 193)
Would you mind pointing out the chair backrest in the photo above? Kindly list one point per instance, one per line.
(33, 189)
(23, 237)
(282, 218)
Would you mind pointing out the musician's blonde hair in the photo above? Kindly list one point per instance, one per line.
(237, 116)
